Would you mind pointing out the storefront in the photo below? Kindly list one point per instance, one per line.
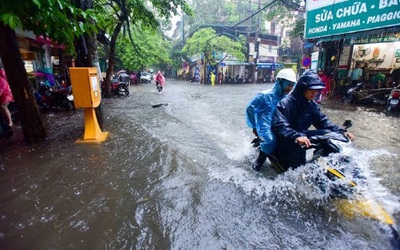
(347, 34)
(377, 55)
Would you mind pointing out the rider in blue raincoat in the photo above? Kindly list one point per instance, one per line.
(260, 109)
(293, 117)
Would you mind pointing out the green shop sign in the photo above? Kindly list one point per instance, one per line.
(335, 17)
(397, 54)
(377, 39)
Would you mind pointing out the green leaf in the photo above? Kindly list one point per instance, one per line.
(37, 2)
(60, 4)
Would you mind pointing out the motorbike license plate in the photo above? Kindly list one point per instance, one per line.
(70, 97)
(394, 101)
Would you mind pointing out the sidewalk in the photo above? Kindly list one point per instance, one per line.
(9, 146)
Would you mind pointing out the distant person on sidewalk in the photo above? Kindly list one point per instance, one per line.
(5, 96)
(356, 74)
(212, 76)
(324, 92)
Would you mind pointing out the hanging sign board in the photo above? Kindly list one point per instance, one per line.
(335, 17)
(314, 60)
(306, 62)
(380, 39)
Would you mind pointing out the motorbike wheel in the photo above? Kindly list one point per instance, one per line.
(123, 90)
(126, 90)
(348, 99)
(67, 104)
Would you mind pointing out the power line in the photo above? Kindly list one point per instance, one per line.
(244, 20)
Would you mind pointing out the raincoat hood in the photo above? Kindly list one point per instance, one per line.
(309, 80)
(279, 87)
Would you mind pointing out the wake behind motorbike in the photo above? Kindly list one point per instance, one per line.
(343, 181)
(361, 95)
(393, 101)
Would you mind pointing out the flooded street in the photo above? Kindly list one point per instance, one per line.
(179, 176)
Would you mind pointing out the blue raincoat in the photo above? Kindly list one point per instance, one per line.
(259, 114)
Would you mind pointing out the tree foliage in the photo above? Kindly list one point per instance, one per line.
(150, 49)
(219, 12)
(59, 20)
(206, 40)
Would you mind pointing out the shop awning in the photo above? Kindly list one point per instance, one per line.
(270, 65)
(356, 35)
(232, 63)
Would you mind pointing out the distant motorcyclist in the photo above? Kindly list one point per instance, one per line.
(160, 80)
(260, 109)
(294, 115)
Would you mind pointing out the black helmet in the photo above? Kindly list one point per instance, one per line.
(311, 80)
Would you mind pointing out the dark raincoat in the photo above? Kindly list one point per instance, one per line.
(293, 117)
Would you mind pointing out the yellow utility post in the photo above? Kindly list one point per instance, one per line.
(87, 95)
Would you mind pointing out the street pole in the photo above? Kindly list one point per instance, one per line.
(183, 27)
(257, 43)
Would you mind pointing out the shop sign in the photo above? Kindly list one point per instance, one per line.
(381, 39)
(335, 17)
(397, 54)
(266, 59)
(314, 60)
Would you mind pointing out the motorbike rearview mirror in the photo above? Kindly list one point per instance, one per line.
(347, 124)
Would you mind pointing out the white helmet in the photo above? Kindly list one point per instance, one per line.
(287, 74)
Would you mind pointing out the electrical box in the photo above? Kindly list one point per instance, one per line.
(85, 87)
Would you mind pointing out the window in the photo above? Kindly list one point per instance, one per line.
(272, 28)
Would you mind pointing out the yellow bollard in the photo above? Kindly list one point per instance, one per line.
(93, 132)
(87, 95)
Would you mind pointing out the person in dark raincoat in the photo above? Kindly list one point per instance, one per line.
(259, 113)
(293, 117)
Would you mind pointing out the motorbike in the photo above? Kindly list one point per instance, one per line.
(393, 101)
(359, 94)
(48, 97)
(117, 87)
(342, 180)
(159, 86)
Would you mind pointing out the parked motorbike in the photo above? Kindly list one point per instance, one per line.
(48, 97)
(359, 94)
(117, 87)
(393, 101)
(5, 130)
(342, 180)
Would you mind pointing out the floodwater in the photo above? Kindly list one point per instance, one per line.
(179, 177)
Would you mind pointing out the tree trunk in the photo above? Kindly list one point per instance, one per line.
(111, 57)
(87, 55)
(31, 121)
(64, 72)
